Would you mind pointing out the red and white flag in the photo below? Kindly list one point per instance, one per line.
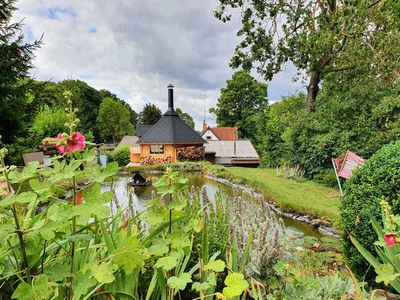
(347, 164)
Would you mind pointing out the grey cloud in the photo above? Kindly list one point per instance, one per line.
(138, 47)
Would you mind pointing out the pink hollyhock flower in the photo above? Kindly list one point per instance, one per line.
(59, 146)
(76, 142)
(4, 191)
(79, 198)
(390, 239)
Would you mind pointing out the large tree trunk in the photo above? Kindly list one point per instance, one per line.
(312, 89)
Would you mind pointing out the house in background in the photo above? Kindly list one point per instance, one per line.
(232, 153)
(219, 133)
(224, 147)
(160, 142)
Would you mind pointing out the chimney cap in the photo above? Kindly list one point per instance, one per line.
(170, 86)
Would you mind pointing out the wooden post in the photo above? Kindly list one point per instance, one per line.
(337, 177)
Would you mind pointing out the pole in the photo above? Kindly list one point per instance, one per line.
(337, 177)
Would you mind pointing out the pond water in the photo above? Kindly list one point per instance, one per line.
(294, 229)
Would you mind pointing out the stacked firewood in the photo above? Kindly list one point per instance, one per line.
(149, 160)
(193, 153)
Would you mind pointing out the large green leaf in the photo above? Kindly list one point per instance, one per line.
(27, 173)
(94, 205)
(169, 262)
(217, 266)
(160, 247)
(386, 274)
(235, 285)
(104, 272)
(130, 255)
(99, 175)
(41, 289)
(179, 282)
(82, 283)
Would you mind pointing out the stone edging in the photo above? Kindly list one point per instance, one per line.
(323, 226)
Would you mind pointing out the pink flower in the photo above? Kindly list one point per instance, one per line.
(79, 198)
(4, 191)
(76, 142)
(60, 147)
(390, 239)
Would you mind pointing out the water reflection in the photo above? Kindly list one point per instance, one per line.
(140, 196)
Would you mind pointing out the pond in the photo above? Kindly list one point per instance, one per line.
(293, 229)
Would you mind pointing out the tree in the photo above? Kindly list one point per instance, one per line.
(241, 99)
(15, 61)
(185, 117)
(149, 115)
(133, 115)
(88, 100)
(113, 120)
(48, 123)
(319, 37)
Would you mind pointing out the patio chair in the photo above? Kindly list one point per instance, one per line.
(35, 156)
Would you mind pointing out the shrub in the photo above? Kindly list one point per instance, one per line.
(378, 179)
(122, 155)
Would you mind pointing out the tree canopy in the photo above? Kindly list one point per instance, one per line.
(240, 102)
(113, 120)
(319, 37)
(149, 115)
(185, 117)
(16, 57)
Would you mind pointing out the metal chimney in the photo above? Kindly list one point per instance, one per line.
(170, 97)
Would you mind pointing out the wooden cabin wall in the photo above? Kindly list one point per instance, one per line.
(169, 151)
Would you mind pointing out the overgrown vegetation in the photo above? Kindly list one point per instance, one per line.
(122, 155)
(377, 180)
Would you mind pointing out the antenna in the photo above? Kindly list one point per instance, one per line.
(204, 107)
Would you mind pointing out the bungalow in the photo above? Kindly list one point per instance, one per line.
(161, 142)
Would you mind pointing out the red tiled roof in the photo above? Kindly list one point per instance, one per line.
(224, 133)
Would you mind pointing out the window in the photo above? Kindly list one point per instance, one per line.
(208, 137)
(156, 149)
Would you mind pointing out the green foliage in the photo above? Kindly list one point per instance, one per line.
(352, 112)
(122, 155)
(149, 115)
(48, 122)
(378, 179)
(320, 37)
(16, 57)
(241, 101)
(385, 263)
(113, 120)
(185, 117)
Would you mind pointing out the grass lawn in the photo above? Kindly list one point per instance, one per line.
(303, 196)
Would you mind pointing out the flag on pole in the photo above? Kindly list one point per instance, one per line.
(347, 164)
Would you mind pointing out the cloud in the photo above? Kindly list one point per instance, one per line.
(135, 48)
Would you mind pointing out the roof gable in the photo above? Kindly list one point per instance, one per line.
(224, 133)
(171, 129)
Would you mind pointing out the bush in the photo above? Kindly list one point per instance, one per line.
(122, 155)
(378, 179)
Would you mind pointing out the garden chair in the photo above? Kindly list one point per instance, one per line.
(35, 156)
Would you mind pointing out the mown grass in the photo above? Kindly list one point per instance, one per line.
(301, 196)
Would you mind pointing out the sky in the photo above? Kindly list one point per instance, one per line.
(135, 48)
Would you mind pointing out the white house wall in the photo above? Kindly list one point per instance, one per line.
(211, 134)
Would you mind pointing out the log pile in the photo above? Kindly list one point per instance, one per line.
(193, 153)
(149, 160)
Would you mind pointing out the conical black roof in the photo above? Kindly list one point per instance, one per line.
(171, 129)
